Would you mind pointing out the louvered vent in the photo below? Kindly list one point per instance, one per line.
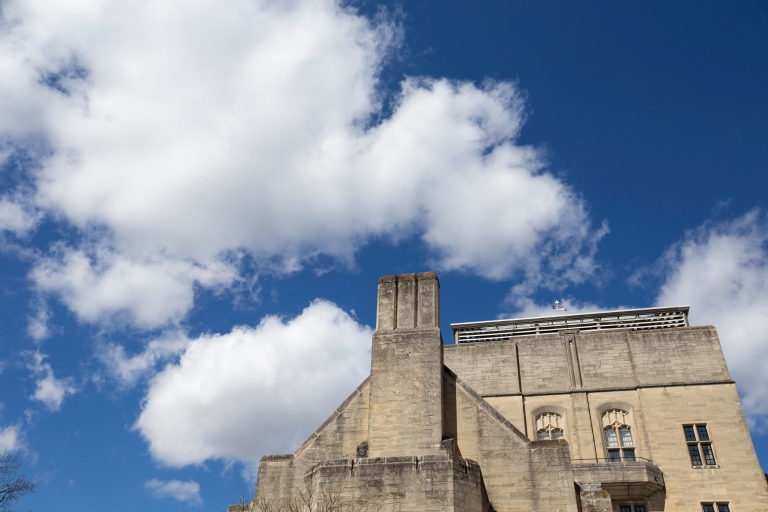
(632, 319)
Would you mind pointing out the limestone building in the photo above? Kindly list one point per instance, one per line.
(624, 411)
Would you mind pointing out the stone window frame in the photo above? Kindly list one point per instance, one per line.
(626, 453)
(695, 442)
(719, 506)
(633, 507)
(549, 409)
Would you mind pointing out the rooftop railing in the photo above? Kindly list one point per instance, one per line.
(630, 319)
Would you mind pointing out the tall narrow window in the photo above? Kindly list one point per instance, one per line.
(695, 455)
(618, 436)
(700, 447)
(549, 426)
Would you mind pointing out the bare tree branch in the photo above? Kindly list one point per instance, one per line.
(307, 500)
(13, 486)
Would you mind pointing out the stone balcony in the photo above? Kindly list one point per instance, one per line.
(623, 480)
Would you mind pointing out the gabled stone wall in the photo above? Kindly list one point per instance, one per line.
(519, 475)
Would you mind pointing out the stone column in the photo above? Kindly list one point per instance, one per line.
(405, 415)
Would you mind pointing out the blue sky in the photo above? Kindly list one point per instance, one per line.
(197, 200)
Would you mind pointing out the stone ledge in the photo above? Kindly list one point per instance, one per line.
(612, 389)
(351, 465)
(283, 456)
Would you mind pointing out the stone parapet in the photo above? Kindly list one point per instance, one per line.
(404, 483)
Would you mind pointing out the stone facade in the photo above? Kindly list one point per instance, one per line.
(566, 421)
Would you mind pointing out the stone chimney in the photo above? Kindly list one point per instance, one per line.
(408, 301)
(405, 414)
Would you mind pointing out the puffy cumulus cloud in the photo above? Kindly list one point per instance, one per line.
(10, 439)
(255, 390)
(147, 291)
(183, 131)
(188, 492)
(721, 270)
(49, 390)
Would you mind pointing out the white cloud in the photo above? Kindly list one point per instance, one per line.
(37, 325)
(10, 439)
(127, 370)
(49, 390)
(188, 492)
(145, 291)
(721, 270)
(15, 216)
(252, 391)
(526, 307)
(181, 132)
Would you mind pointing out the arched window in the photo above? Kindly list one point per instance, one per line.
(549, 426)
(618, 435)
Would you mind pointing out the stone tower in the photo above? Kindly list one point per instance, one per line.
(405, 413)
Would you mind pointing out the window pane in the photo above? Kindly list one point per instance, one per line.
(689, 435)
(626, 509)
(557, 434)
(703, 434)
(626, 436)
(629, 455)
(639, 508)
(614, 455)
(611, 439)
(723, 507)
(709, 457)
(707, 507)
(543, 435)
(695, 457)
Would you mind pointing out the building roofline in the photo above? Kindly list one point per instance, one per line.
(572, 316)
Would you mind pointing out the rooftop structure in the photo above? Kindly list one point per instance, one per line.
(631, 319)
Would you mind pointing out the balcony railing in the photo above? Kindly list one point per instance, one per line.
(630, 319)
